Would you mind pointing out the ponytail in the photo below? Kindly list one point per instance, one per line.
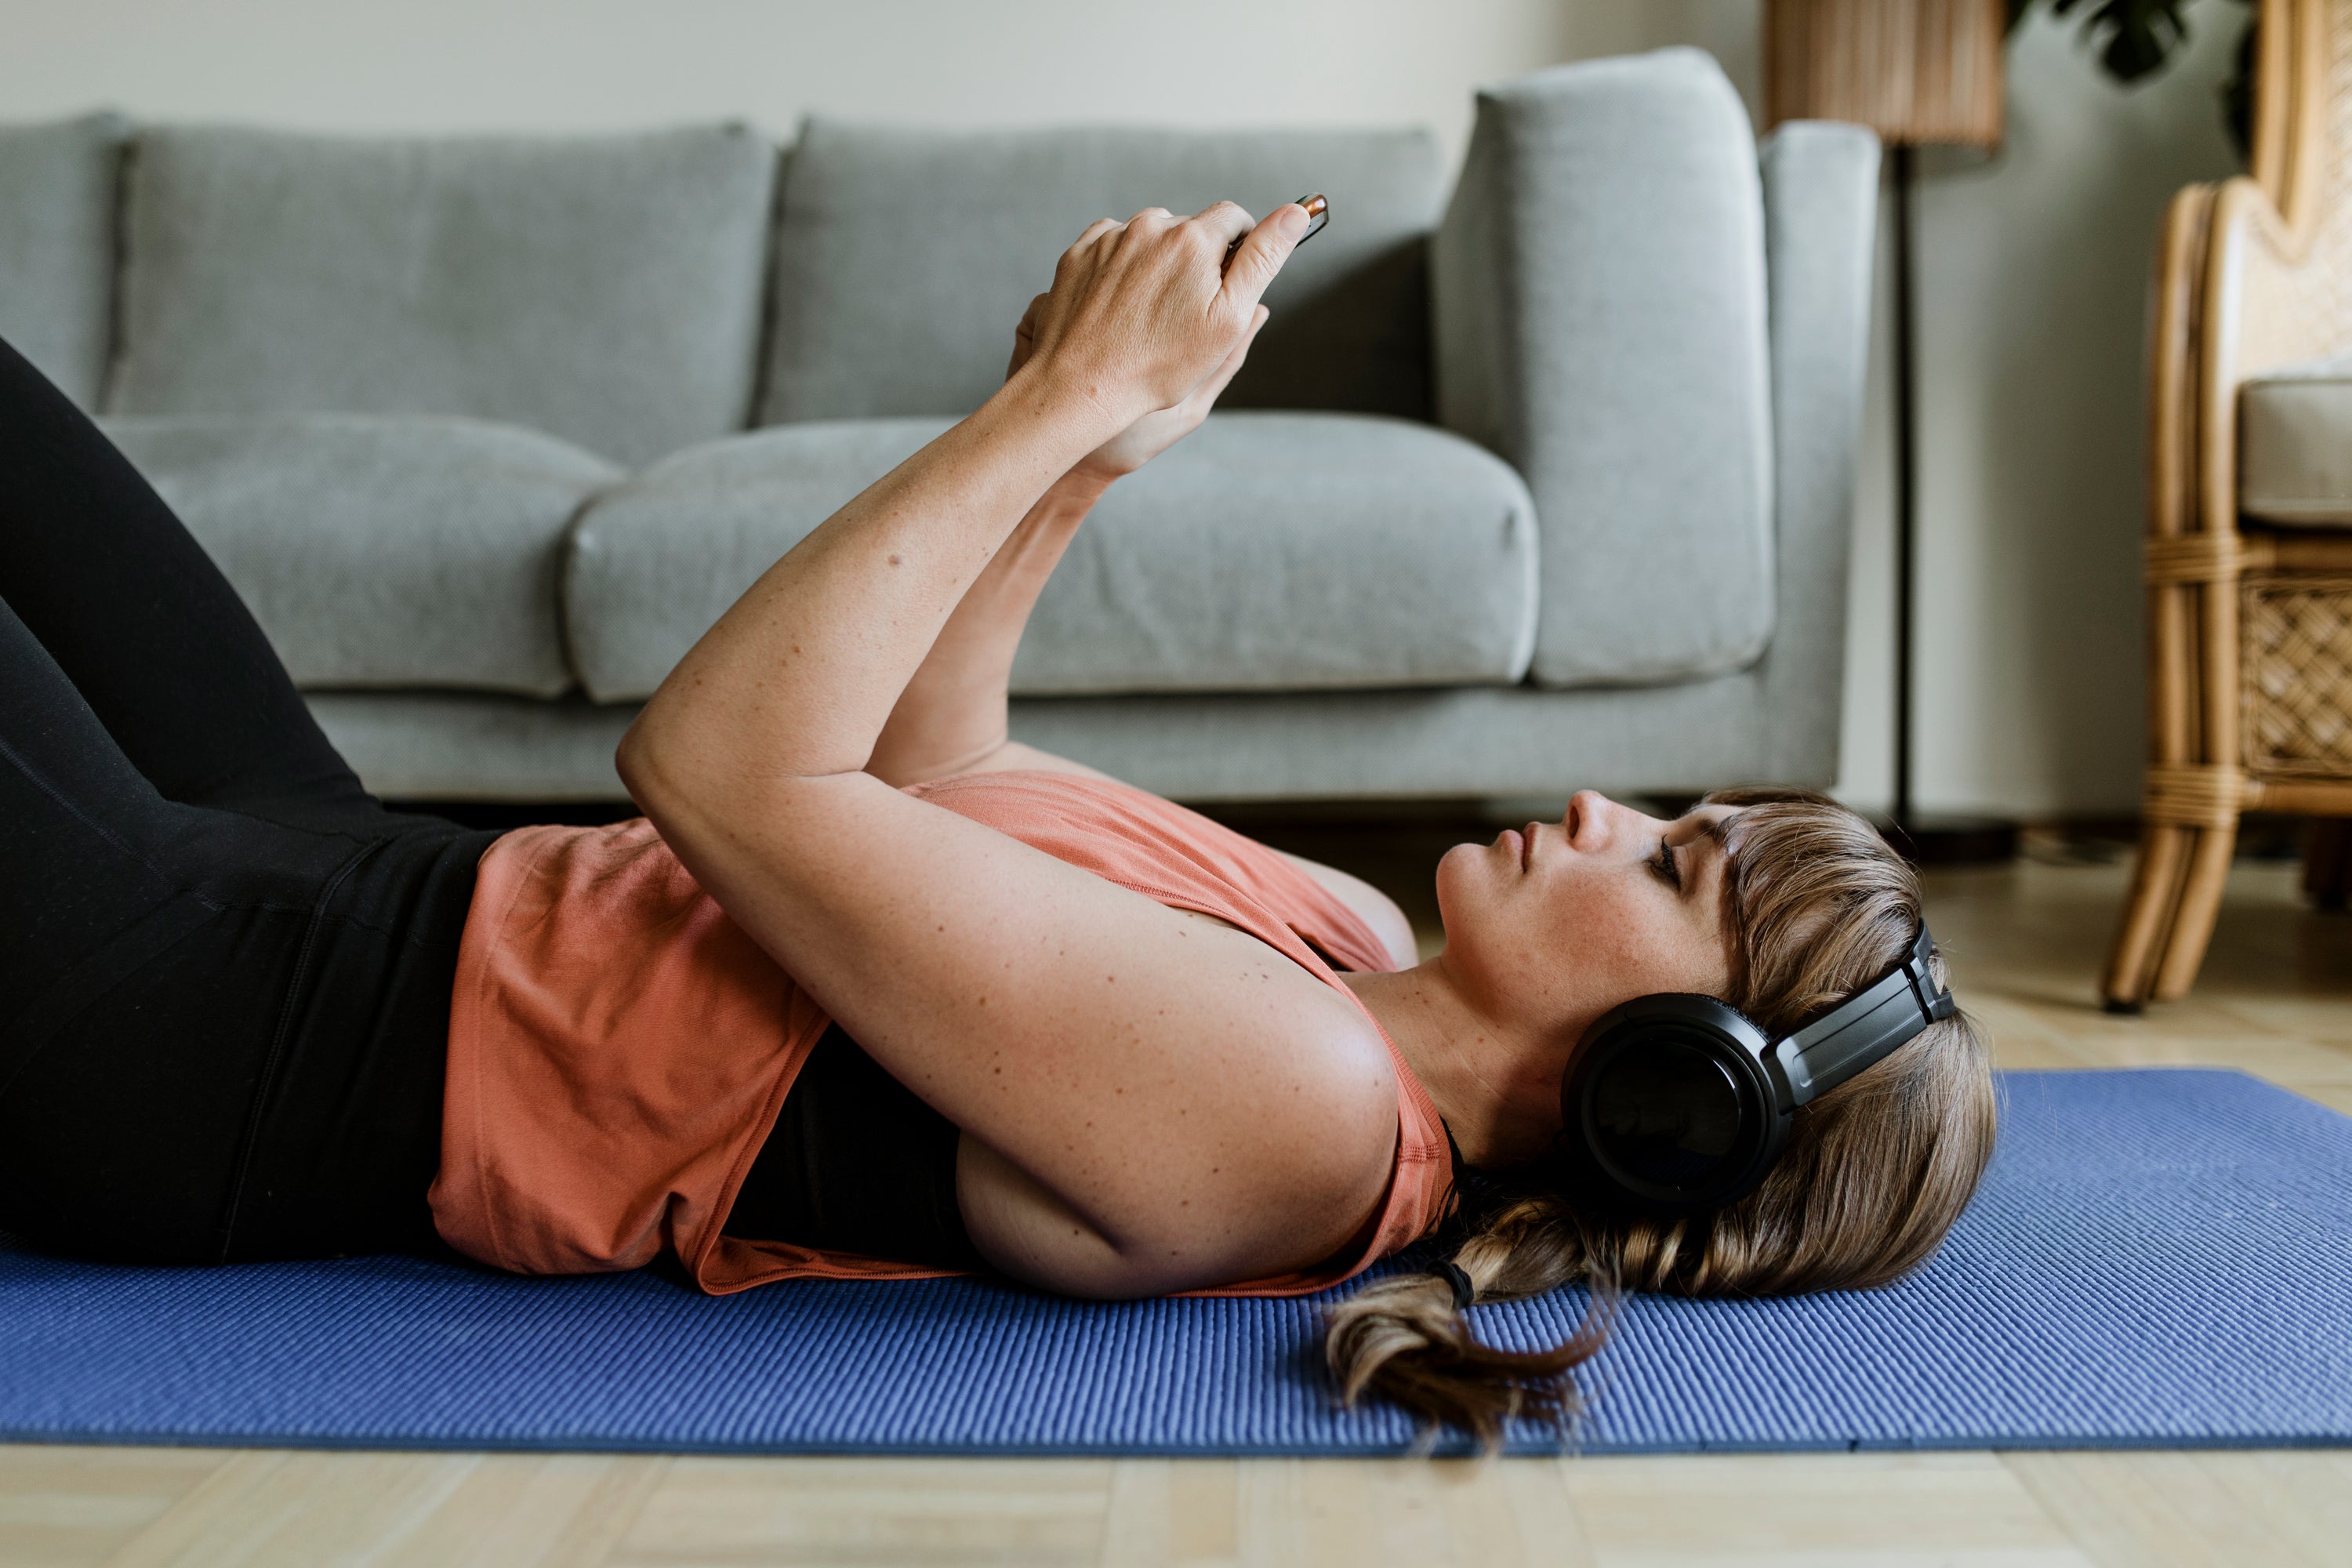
(1408, 1340)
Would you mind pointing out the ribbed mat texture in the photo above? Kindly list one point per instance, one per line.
(2159, 1258)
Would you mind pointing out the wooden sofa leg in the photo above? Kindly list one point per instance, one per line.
(2327, 862)
(2192, 921)
(2147, 918)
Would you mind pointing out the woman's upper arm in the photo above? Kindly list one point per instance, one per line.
(1191, 1092)
(1014, 757)
(1372, 906)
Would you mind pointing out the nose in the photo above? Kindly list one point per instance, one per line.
(1596, 823)
(1589, 819)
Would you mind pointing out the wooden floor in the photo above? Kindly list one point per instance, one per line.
(2277, 1000)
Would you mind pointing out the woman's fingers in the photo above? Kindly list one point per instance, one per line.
(1107, 238)
(1263, 251)
(1139, 309)
(1083, 250)
(1228, 221)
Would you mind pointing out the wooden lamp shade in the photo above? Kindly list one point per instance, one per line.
(1918, 72)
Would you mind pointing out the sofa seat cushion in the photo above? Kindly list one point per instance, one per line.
(1266, 552)
(2295, 446)
(378, 551)
(602, 288)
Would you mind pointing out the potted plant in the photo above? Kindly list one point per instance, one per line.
(2135, 37)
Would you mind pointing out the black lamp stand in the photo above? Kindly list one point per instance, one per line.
(1938, 839)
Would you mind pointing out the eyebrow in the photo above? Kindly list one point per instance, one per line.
(1712, 828)
(1710, 831)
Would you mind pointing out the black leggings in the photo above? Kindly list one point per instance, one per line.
(224, 967)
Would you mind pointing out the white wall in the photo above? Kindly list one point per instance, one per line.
(2032, 276)
(2034, 284)
(573, 64)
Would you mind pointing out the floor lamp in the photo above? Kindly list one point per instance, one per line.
(1920, 73)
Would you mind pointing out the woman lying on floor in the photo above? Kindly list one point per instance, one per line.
(872, 982)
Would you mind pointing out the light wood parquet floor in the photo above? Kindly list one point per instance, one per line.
(2277, 1000)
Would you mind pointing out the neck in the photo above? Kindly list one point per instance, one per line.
(1499, 1096)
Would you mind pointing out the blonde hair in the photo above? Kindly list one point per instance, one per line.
(1873, 1176)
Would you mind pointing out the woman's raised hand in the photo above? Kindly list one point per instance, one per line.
(1156, 431)
(1142, 321)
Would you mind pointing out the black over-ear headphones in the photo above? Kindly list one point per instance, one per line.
(1676, 1104)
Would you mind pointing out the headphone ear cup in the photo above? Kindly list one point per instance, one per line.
(1668, 1017)
(1666, 1107)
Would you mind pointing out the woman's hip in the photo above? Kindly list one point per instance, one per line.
(266, 1085)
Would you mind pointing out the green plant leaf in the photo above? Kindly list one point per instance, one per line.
(2138, 36)
(2134, 37)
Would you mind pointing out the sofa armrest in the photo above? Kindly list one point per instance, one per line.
(1599, 317)
(1821, 227)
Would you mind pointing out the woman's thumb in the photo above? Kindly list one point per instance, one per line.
(1263, 250)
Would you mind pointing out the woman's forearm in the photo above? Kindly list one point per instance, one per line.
(797, 680)
(953, 714)
(800, 677)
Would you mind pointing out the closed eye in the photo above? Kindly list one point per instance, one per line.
(1668, 870)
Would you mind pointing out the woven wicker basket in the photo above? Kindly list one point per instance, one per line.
(2296, 669)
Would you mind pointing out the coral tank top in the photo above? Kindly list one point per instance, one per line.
(619, 1049)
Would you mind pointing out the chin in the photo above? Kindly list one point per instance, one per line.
(1451, 867)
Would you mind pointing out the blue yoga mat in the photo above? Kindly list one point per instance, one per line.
(2155, 1259)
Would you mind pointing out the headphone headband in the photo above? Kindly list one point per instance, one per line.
(1863, 1029)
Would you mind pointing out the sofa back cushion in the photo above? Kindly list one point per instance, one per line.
(600, 288)
(57, 248)
(906, 257)
(1601, 325)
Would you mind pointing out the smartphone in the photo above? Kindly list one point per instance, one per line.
(1318, 212)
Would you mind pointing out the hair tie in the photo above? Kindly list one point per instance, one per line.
(1453, 1274)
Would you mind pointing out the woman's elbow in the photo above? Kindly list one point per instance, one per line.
(642, 761)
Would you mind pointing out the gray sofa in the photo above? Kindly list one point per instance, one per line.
(1543, 485)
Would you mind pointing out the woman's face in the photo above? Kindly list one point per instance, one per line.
(1555, 923)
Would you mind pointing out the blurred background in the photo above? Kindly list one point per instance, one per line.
(2032, 264)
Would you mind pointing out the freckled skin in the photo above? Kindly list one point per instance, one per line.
(1588, 924)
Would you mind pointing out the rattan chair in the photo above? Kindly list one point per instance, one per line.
(2249, 634)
